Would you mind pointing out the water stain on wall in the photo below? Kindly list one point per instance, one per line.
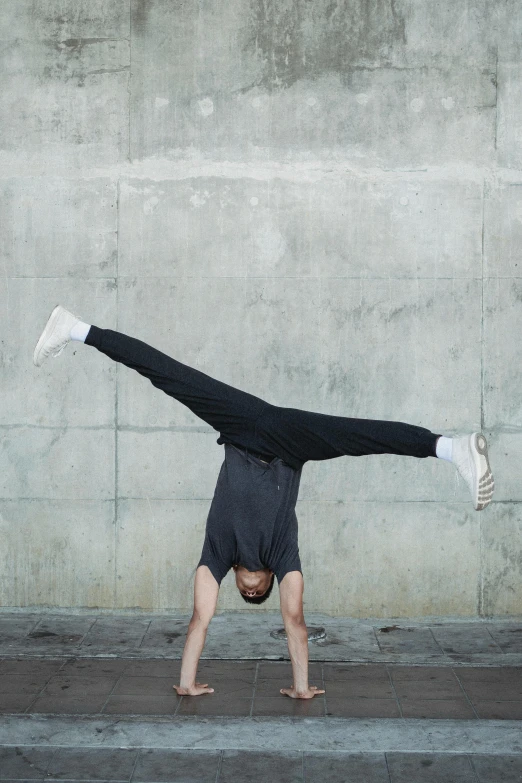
(305, 40)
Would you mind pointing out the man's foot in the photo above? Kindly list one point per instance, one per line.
(56, 334)
(470, 457)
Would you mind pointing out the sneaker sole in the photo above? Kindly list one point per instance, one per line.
(47, 332)
(486, 484)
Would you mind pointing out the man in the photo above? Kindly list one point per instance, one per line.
(252, 525)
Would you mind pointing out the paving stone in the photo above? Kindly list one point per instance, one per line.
(497, 769)
(54, 705)
(77, 687)
(169, 766)
(21, 684)
(429, 768)
(340, 671)
(15, 703)
(418, 641)
(213, 704)
(415, 689)
(116, 633)
(427, 674)
(167, 657)
(30, 763)
(165, 634)
(509, 639)
(165, 704)
(436, 708)
(31, 667)
(93, 763)
(495, 691)
(251, 767)
(133, 686)
(283, 671)
(284, 705)
(344, 767)
(498, 710)
(365, 689)
(15, 628)
(228, 669)
(506, 675)
(362, 708)
(97, 667)
(463, 640)
(151, 668)
(49, 629)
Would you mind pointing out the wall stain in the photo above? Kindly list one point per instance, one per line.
(305, 40)
(140, 10)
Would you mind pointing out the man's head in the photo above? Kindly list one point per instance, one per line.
(254, 586)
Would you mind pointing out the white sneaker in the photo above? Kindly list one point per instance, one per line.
(56, 334)
(470, 457)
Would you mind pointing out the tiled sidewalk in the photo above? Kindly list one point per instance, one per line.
(248, 688)
(247, 636)
(229, 766)
(89, 697)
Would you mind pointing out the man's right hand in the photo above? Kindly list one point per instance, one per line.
(195, 690)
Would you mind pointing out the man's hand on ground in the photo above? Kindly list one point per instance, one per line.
(195, 690)
(308, 694)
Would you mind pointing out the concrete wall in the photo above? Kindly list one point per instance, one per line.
(319, 202)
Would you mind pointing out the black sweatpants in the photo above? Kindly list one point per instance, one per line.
(249, 422)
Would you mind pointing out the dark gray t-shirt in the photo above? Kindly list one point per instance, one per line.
(252, 520)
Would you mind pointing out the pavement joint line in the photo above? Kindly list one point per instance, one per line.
(464, 692)
(397, 700)
(334, 735)
(508, 660)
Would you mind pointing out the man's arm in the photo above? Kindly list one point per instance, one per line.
(291, 591)
(206, 591)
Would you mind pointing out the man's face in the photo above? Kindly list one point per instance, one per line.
(252, 584)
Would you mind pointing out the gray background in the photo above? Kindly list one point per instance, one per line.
(318, 202)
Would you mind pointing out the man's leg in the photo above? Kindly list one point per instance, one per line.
(319, 436)
(223, 407)
(306, 435)
(228, 410)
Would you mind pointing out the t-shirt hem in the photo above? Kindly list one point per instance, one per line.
(282, 574)
(218, 575)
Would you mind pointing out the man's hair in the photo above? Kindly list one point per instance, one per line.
(260, 598)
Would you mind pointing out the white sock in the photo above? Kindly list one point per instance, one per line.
(80, 331)
(444, 448)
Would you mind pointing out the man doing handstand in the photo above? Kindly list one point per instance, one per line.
(252, 524)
